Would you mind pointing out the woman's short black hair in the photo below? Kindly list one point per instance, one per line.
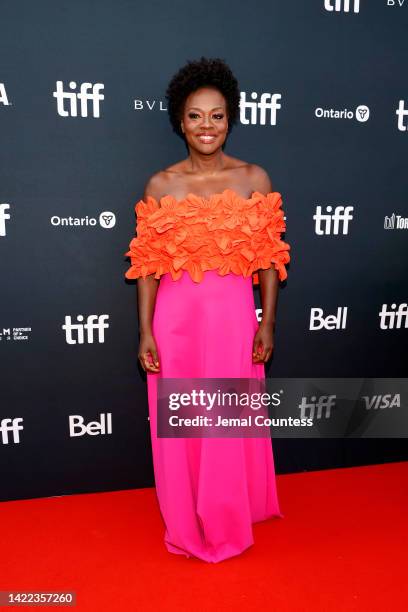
(205, 72)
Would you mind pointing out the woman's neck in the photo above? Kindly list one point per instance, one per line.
(206, 164)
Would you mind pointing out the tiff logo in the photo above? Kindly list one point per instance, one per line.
(75, 332)
(3, 217)
(315, 407)
(11, 426)
(342, 5)
(84, 96)
(392, 318)
(330, 223)
(401, 113)
(268, 102)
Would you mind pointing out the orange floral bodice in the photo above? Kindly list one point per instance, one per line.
(225, 232)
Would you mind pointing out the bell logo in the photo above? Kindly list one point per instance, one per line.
(84, 96)
(318, 321)
(94, 428)
(342, 5)
(75, 332)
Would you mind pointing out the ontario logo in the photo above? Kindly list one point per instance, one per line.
(106, 219)
(360, 114)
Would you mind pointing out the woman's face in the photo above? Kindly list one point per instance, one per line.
(204, 121)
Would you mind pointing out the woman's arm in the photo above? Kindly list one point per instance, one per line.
(146, 300)
(264, 338)
(268, 283)
(269, 287)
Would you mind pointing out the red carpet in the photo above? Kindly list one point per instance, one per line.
(341, 546)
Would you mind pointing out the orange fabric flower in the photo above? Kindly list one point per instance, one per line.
(225, 232)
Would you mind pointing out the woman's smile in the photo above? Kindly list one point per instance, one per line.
(206, 138)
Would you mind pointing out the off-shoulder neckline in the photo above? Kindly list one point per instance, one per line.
(213, 196)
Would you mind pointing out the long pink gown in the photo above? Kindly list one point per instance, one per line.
(210, 490)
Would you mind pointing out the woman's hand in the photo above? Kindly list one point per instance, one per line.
(148, 355)
(263, 344)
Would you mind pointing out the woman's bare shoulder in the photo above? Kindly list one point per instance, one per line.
(163, 181)
(154, 186)
(259, 179)
(252, 175)
(171, 178)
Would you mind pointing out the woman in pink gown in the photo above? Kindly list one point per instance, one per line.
(208, 227)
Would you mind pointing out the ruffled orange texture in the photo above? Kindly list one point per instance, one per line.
(224, 232)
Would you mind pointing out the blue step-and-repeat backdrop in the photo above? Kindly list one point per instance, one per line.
(324, 109)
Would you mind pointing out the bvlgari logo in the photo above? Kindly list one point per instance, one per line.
(149, 105)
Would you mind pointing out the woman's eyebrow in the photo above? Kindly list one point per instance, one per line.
(197, 108)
